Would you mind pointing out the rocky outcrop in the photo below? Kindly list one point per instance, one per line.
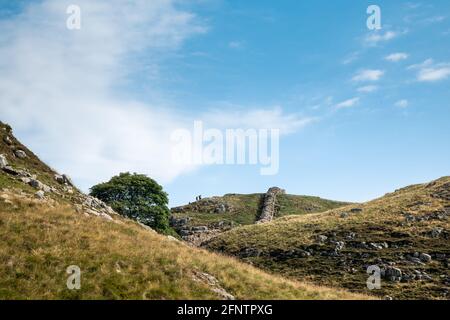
(207, 205)
(197, 235)
(268, 208)
(213, 283)
(95, 207)
(20, 154)
(198, 238)
(3, 161)
(63, 179)
(21, 165)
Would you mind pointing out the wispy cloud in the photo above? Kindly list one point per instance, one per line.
(235, 44)
(367, 89)
(426, 63)
(234, 116)
(413, 5)
(429, 71)
(398, 56)
(368, 75)
(67, 87)
(434, 19)
(402, 103)
(347, 103)
(434, 74)
(376, 37)
(351, 58)
(62, 85)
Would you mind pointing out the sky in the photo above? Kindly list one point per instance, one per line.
(361, 112)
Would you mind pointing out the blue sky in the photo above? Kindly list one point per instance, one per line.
(378, 101)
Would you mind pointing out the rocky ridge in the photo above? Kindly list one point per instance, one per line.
(25, 176)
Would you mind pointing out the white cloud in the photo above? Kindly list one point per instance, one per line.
(367, 89)
(435, 19)
(255, 118)
(347, 103)
(64, 91)
(410, 5)
(351, 58)
(402, 103)
(58, 87)
(368, 75)
(424, 64)
(376, 37)
(429, 71)
(235, 44)
(434, 74)
(395, 57)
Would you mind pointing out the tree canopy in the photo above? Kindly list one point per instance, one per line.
(138, 197)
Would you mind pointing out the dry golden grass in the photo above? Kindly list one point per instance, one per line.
(120, 260)
(382, 220)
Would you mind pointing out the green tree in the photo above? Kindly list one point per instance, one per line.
(138, 197)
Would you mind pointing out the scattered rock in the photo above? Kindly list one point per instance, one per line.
(39, 185)
(36, 184)
(20, 154)
(106, 216)
(199, 229)
(4, 196)
(425, 257)
(339, 246)
(59, 178)
(40, 194)
(68, 180)
(344, 214)
(96, 207)
(3, 161)
(443, 192)
(146, 227)
(322, 238)
(436, 232)
(351, 235)
(7, 140)
(221, 208)
(426, 276)
(392, 274)
(223, 294)
(212, 282)
(10, 170)
(441, 256)
(63, 179)
(414, 259)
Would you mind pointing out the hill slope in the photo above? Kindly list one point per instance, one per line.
(203, 219)
(47, 225)
(405, 233)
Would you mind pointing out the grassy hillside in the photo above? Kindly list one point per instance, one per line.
(121, 260)
(400, 231)
(243, 209)
(47, 225)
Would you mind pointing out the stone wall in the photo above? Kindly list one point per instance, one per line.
(268, 207)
